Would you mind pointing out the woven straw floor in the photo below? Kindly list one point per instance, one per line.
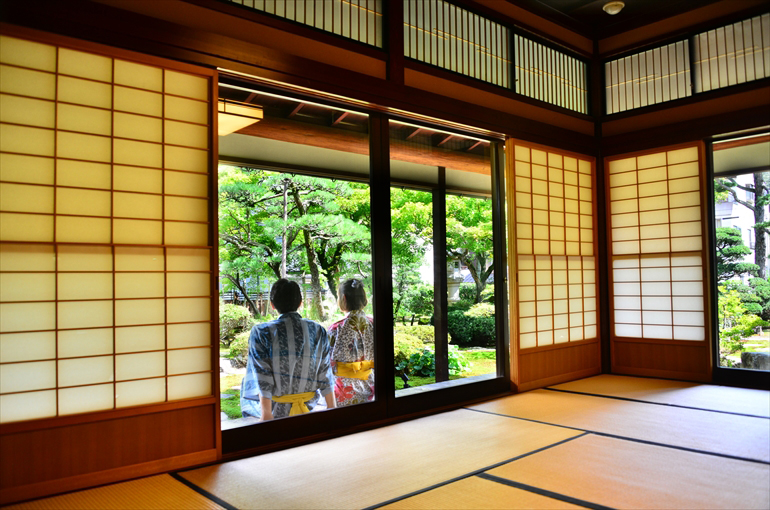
(602, 442)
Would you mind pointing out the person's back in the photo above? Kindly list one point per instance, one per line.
(288, 362)
(352, 340)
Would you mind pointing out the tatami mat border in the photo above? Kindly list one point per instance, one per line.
(203, 492)
(476, 472)
(543, 492)
(625, 438)
(482, 471)
(665, 404)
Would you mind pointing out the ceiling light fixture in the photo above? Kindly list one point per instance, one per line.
(233, 116)
(613, 7)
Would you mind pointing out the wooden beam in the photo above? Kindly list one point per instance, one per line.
(296, 110)
(292, 131)
(414, 133)
(445, 140)
(729, 144)
(340, 118)
(474, 145)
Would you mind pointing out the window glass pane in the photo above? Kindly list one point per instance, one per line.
(741, 214)
(295, 206)
(441, 217)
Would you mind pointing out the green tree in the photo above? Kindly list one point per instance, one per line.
(730, 254)
(344, 245)
(759, 192)
(735, 324)
(419, 300)
(411, 236)
(249, 229)
(469, 237)
(279, 224)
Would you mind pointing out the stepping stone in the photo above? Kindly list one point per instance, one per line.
(225, 396)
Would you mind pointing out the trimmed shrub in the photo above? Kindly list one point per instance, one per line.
(404, 346)
(474, 327)
(468, 293)
(424, 333)
(419, 300)
(423, 363)
(233, 319)
(481, 310)
(239, 350)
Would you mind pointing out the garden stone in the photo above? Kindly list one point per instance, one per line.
(755, 360)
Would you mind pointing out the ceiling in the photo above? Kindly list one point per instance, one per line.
(588, 18)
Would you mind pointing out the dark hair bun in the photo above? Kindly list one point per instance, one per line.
(355, 294)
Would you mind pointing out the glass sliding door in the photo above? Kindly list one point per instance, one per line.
(741, 215)
(443, 259)
(302, 188)
(470, 286)
(294, 205)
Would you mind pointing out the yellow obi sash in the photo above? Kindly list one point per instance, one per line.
(297, 401)
(355, 369)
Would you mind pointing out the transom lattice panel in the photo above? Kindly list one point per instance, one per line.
(656, 245)
(105, 275)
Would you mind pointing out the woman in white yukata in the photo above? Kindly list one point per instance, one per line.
(352, 340)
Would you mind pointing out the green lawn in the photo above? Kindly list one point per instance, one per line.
(756, 344)
(482, 362)
(231, 406)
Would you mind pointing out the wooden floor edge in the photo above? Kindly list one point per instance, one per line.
(558, 379)
(695, 377)
(39, 490)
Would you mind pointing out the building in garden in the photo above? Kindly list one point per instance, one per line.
(567, 151)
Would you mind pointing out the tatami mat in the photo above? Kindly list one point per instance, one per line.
(477, 493)
(624, 474)
(701, 396)
(375, 466)
(153, 493)
(724, 434)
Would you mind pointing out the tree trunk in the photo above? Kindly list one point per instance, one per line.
(285, 220)
(478, 279)
(760, 244)
(315, 278)
(246, 297)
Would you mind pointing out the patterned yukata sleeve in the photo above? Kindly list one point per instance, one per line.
(260, 352)
(325, 376)
(333, 330)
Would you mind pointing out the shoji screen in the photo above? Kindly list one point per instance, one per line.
(105, 273)
(553, 225)
(656, 246)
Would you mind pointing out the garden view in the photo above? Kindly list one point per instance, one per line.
(316, 231)
(742, 225)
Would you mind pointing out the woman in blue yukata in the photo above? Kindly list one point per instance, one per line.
(289, 361)
(352, 340)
